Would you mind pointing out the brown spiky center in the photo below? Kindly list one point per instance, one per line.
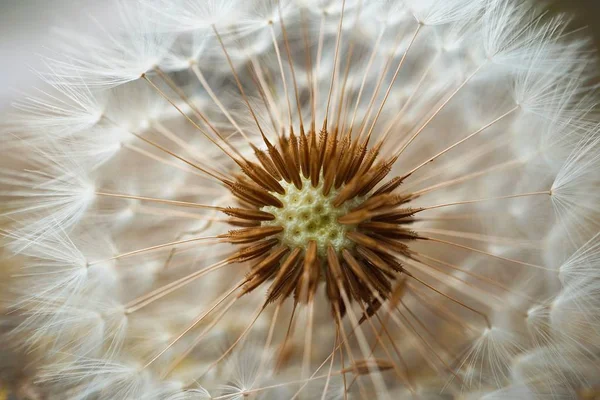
(312, 212)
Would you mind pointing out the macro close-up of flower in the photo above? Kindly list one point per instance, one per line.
(304, 199)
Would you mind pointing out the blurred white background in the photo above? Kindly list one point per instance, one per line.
(26, 32)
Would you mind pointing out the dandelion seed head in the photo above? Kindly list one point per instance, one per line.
(308, 199)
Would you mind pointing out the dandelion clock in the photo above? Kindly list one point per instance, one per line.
(307, 199)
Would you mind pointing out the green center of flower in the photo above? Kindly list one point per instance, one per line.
(307, 214)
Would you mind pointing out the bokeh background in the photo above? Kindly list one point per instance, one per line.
(26, 32)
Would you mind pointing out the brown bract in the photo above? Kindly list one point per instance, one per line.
(365, 270)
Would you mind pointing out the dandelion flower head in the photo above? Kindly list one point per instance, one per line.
(308, 199)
